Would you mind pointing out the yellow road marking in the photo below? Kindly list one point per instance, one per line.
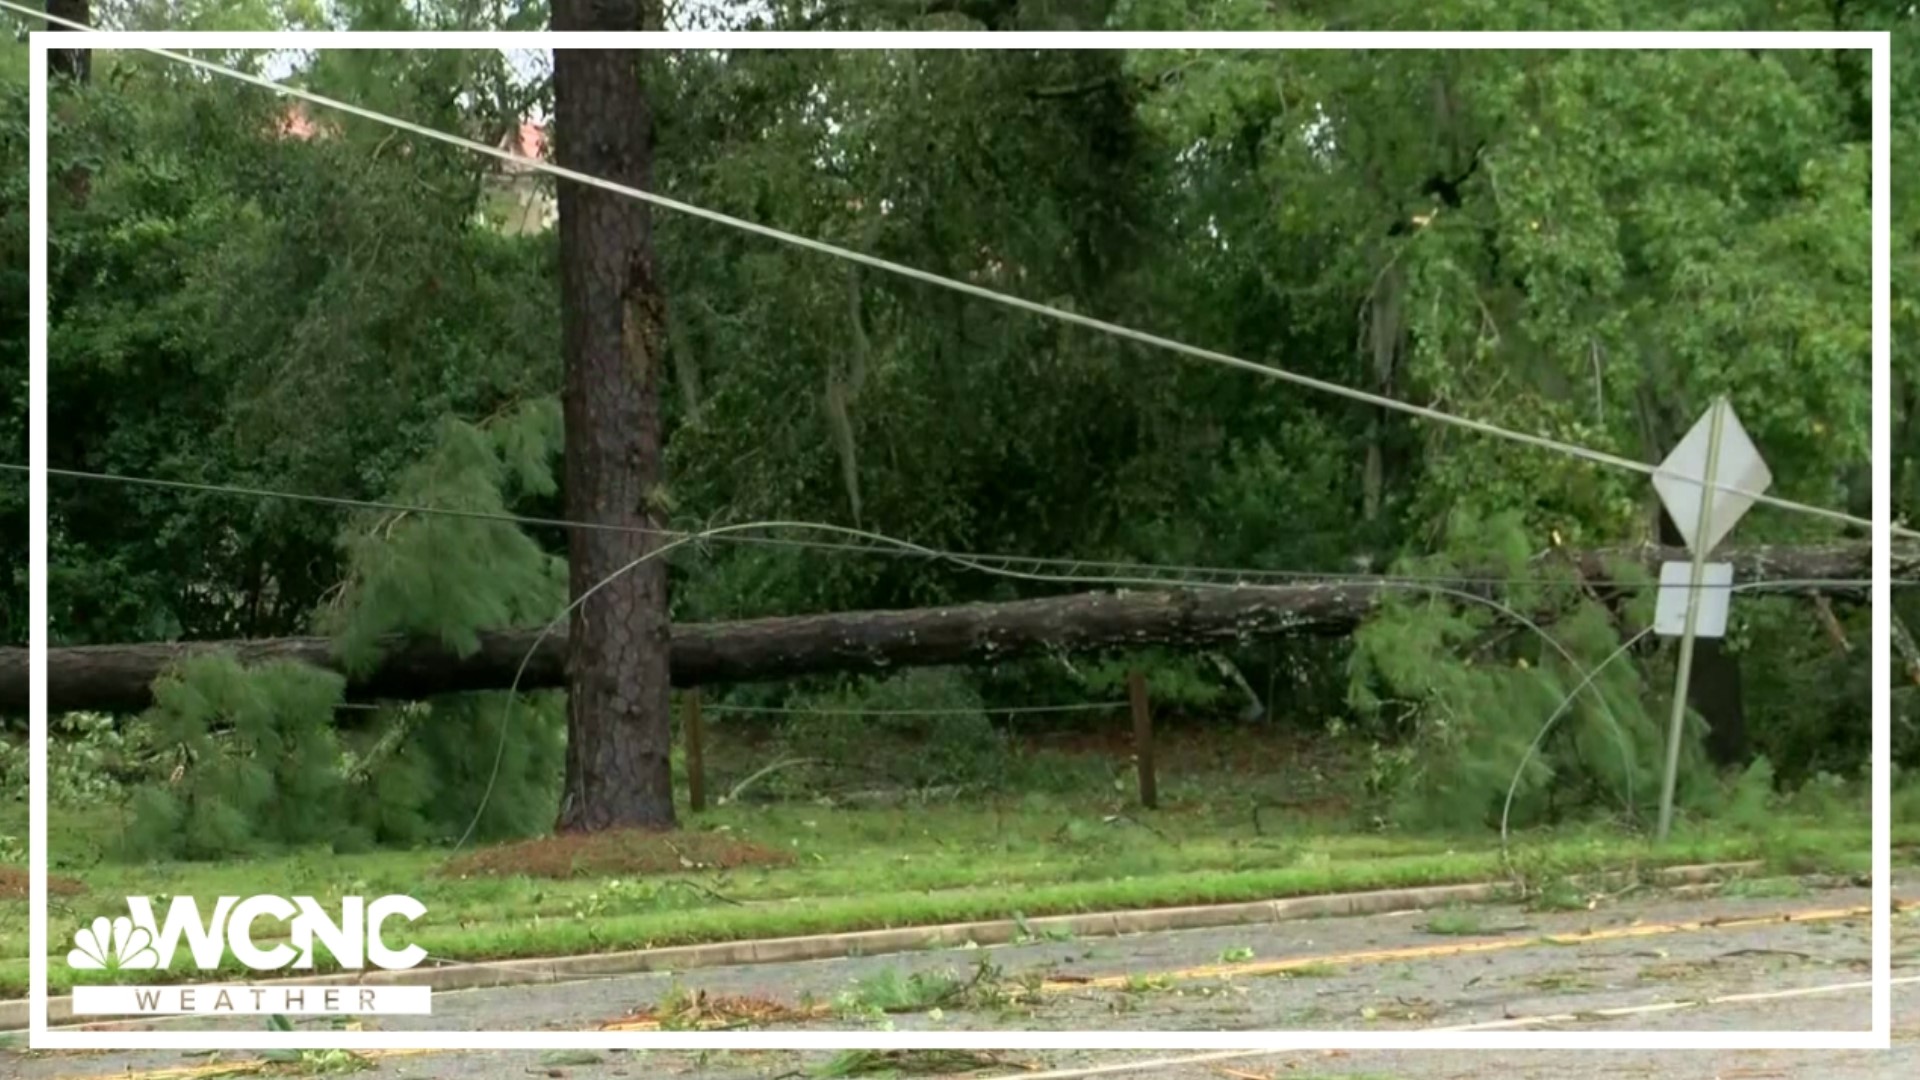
(1457, 948)
(1371, 956)
(1207, 971)
(236, 1067)
(1672, 1006)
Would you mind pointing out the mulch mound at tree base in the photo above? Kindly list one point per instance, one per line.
(14, 881)
(616, 853)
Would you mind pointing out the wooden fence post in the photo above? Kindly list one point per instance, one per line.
(1143, 739)
(696, 764)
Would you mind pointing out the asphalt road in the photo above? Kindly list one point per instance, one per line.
(1784, 956)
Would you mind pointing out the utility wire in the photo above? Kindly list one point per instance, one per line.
(514, 688)
(968, 288)
(1124, 573)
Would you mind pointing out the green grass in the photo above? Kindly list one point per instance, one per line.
(890, 991)
(1312, 971)
(897, 1063)
(1460, 922)
(862, 869)
(1560, 981)
(1147, 984)
(314, 1062)
(1560, 896)
(1766, 888)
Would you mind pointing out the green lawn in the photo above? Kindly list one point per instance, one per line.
(866, 869)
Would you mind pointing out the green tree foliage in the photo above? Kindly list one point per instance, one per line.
(1462, 695)
(13, 349)
(257, 761)
(1614, 238)
(246, 758)
(443, 577)
(934, 715)
(239, 305)
(485, 763)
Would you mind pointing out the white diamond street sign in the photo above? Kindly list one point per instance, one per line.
(1715, 455)
(1682, 475)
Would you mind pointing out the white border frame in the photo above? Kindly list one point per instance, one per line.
(40, 1036)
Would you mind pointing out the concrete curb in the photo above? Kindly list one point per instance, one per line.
(489, 974)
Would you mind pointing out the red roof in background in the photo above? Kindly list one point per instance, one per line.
(528, 141)
(295, 122)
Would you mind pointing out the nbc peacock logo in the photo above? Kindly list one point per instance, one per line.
(113, 945)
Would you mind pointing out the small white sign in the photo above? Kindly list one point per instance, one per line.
(1683, 474)
(1716, 595)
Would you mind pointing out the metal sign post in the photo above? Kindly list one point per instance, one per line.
(1676, 725)
(1731, 459)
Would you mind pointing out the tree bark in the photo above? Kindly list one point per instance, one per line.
(613, 331)
(75, 64)
(70, 68)
(116, 678)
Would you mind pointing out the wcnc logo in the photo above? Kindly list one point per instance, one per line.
(138, 941)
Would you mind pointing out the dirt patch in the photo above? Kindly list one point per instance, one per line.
(14, 882)
(638, 852)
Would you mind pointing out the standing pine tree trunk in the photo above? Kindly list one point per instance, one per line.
(613, 327)
(70, 68)
(75, 64)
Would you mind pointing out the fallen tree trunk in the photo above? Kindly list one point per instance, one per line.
(116, 678)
